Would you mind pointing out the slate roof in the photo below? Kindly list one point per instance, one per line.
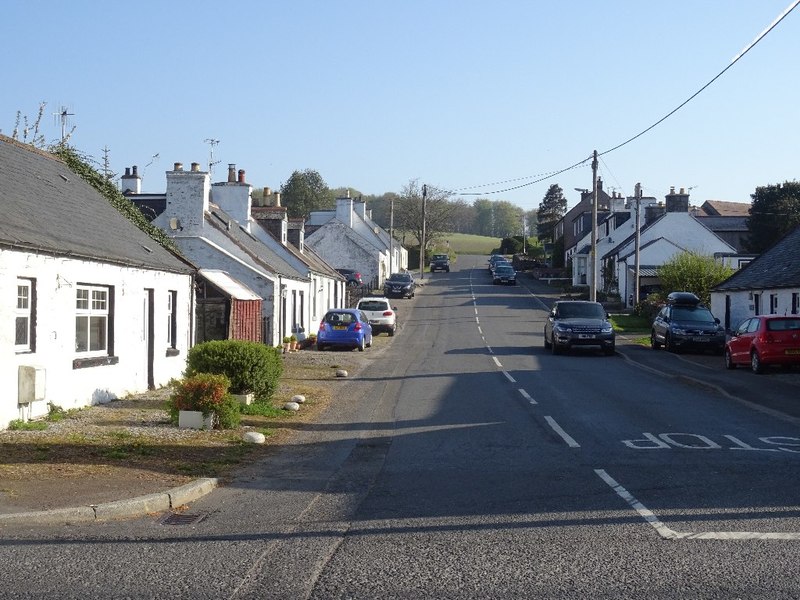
(777, 267)
(46, 208)
(726, 209)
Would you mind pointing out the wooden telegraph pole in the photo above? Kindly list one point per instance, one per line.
(593, 286)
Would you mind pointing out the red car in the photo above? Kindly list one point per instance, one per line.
(764, 340)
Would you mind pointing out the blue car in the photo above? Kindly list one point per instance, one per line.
(344, 328)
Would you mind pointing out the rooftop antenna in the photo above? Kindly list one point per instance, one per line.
(64, 115)
(152, 160)
(211, 162)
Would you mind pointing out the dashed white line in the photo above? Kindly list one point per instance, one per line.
(670, 534)
(527, 396)
(509, 377)
(497, 362)
(564, 435)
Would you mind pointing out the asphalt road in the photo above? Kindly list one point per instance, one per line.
(468, 462)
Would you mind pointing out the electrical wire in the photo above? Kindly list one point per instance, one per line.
(735, 59)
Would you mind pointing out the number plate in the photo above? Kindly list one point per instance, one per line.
(700, 338)
(793, 351)
(585, 336)
(340, 327)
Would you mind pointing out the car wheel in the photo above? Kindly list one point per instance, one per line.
(361, 344)
(546, 343)
(755, 363)
(554, 347)
(729, 364)
(392, 330)
(668, 345)
(611, 351)
(654, 344)
(320, 346)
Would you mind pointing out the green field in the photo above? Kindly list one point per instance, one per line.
(464, 243)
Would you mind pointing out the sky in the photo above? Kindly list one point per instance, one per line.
(483, 99)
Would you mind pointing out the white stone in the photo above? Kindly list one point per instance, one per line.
(341, 373)
(299, 398)
(193, 419)
(293, 406)
(254, 437)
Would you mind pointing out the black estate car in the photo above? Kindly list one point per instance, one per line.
(573, 323)
(400, 285)
(685, 323)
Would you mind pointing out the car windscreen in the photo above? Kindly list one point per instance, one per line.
(339, 318)
(783, 324)
(692, 314)
(440, 257)
(400, 277)
(373, 305)
(503, 270)
(581, 311)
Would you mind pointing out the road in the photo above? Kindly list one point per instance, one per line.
(468, 462)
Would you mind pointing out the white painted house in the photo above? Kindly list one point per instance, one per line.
(769, 284)
(94, 308)
(347, 238)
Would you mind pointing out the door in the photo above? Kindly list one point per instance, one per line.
(148, 328)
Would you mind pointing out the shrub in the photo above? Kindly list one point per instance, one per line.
(205, 392)
(251, 367)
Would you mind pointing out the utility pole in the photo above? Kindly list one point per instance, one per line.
(422, 242)
(636, 290)
(593, 286)
(523, 235)
(391, 235)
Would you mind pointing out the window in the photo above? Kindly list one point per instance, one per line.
(757, 304)
(795, 303)
(92, 311)
(24, 316)
(773, 303)
(172, 319)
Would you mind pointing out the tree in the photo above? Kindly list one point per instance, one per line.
(693, 272)
(552, 207)
(305, 192)
(484, 217)
(507, 219)
(438, 210)
(774, 213)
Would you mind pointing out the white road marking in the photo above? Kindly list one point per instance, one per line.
(480, 330)
(564, 435)
(497, 362)
(509, 377)
(670, 534)
(527, 396)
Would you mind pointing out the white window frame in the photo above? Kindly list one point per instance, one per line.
(172, 330)
(92, 307)
(24, 310)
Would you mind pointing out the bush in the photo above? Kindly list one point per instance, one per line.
(207, 393)
(251, 367)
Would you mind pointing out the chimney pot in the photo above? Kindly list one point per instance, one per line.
(135, 171)
(682, 191)
(195, 167)
(241, 175)
(178, 167)
(231, 173)
(127, 171)
(672, 189)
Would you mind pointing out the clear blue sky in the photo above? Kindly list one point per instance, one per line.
(466, 95)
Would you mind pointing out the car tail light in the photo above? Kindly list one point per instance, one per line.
(357, 327)
(322, 325)
(357, 275)
(387, 313)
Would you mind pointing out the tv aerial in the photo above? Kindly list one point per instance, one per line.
(211, 162)
(63, 115)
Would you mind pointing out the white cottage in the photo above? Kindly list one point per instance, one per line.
(94, 308)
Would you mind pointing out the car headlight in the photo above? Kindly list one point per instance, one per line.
(562, 329)
(607, 328)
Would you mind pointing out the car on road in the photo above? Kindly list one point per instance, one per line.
(578, 323)
(764, 340)
(382, 315)
(504, 274)
(496, 259)
(440, 262)
(344, 327)
(352, 276)
(399, 285)
(684, 323)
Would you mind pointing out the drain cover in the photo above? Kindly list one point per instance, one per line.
(182, 519)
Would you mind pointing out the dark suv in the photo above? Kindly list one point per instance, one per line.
(399, 285)
(352, 276)
(573, 323)
(685, 323)
(440, 262)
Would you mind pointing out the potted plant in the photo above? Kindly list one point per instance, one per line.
(287, 340)
(293, 342)
(196, 400)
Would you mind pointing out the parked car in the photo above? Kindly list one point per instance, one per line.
(494, 259)
(352, 276)
(764, 340)
(344, 327)
(504, 274)
(382, 315)
(685, 323)
(440, 262)
(400, 285)
(578, 323)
